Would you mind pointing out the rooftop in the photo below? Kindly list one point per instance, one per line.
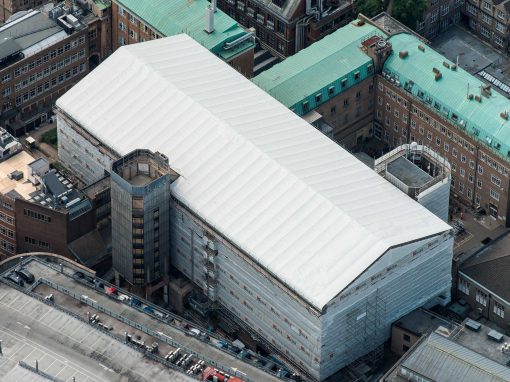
(441, 359)
(487, 120)
(85, 345)
(408, 173)
(65, 346)
(18, 162)
(172, 17)
(422, 322)
(491, 267)
(321, 64)
(27, 32)
(256, 172)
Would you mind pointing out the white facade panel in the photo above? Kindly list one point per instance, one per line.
(437, 199)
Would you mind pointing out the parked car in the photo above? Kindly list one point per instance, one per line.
(27, 276)
(13, 277)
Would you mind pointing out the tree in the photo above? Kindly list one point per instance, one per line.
(369, 8)
(409, 12)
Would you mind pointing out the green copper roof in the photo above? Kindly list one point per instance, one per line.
(448, 96)
(319, 65)
(172, 17)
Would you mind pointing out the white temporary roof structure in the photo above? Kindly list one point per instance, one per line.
(289, 197)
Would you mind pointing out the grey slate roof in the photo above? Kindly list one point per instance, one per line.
(30, 31)
(440, 359)
(491, 268)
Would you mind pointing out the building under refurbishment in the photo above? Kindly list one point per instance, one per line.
(421, 173)
(280, 227)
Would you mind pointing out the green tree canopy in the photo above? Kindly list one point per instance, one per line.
(369, 8)
(409, 12)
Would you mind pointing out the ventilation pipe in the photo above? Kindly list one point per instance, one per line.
(209, 19)
(214, 5)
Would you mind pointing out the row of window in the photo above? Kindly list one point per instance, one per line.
(36, 215)
(481, 297)
(50, 55)
(6, 218)
(39, 243)
(56, 66)
(55, 81)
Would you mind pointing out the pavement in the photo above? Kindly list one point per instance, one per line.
(66, 347)
(477, 230)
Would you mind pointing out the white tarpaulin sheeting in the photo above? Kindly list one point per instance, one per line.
(294, 200)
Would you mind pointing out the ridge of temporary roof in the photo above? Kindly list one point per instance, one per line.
(289, 197)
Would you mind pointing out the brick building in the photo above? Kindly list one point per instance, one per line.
(413, 94)
(285, 27)
(40, 210)
(489, 20)
(41, 57)
(333, 78)
(136, 21)
(483, 283)
(10, 7)
(423, 97)
(439, 16)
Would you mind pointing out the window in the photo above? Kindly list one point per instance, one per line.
(7, 92)
(463, 158)
(429, 136)
(132, 19)
(480, 169)
(137, 203)
(446, 147)
(471, 164)
(36, 215)
(499, 309)
(479, 183)
(496, 180)
(318, 98)
(464, 286)
(481, 298)
(438, 141)
(471, 178)
(356, 75)
(6, 77)
(454, 167)
(494, 194)
(462, 172)
(407, 337)
(122, 11)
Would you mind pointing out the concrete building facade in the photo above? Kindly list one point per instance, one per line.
(140, 185)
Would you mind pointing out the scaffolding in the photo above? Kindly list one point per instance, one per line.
(366, 330)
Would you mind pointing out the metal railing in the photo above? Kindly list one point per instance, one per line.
(39, 372)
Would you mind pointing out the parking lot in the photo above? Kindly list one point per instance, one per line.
(65, 347)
